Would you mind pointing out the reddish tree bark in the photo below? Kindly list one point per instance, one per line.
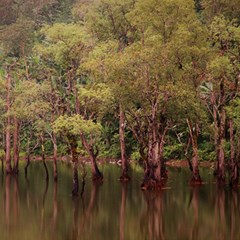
(216, 132)
(221, 152)
(124, 176)
(96, 174)
(55, 172)
(234, 171)
(153, 172)
(15, 145)
(8, 125)
(196, 179)
(43, 158)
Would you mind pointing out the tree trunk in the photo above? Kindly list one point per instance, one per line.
(221, 156)
(196, 179)
(27, 165)
(77, 103)
(44, 160)
(124, 176)
(15, 145)
(96, 174)
(161, 149)
(8, 125)
(75, 189)
(55, 172)
(222, 117)
(73, 145)
(216, 133)
(234, 171)
(156, 154)
(152, 177)
(2, 160)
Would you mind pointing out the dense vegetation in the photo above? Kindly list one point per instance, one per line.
(132, 79)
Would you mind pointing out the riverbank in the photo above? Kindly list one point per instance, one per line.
(184, 163)
(170, 163)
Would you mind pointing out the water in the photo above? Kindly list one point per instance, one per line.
(32, 210)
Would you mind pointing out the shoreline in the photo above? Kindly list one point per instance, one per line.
(169, 163)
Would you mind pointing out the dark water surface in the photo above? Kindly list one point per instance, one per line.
(36, 211)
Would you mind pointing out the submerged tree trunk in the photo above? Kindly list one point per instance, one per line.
(15, 145)
(75, 189)
(43, 158)
(153, 173)
(55, 172)
(124, 176)
(73, 146)
(27, 165)
(96, 174)
(84, 174)
(8, 126)
(196, 179)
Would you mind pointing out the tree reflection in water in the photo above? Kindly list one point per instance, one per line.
(115, 210)
(55, 209)
(7, 202)
(84, 224)
(153, 217)
(219, 215)
(195, 206)
(122, 211)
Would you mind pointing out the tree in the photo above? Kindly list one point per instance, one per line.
(88, 131)
(222, 82)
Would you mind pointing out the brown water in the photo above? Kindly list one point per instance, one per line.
(32, 210)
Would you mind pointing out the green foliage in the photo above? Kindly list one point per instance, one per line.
(65, 44)
(74, 125)
(74, 65)
(95, 99)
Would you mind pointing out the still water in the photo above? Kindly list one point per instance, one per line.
(33, 210)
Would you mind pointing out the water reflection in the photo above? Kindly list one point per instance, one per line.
(75, 229)
(153, 216)
(43, 222)
(219, 215)
(55, 208)
(194, 234)
(122, 211)
(16, 200)
(90, 213)
(7, 202)
(41, 210)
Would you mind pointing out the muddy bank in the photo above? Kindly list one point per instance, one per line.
(184, 163)
(170, 163)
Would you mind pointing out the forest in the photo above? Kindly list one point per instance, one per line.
(130, 81)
